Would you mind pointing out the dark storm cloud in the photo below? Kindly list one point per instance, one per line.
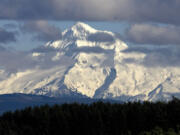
(163, 11)
(42, 29)
(153, 34)
(7, 36)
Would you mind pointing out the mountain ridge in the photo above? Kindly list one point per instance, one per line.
(93, 63)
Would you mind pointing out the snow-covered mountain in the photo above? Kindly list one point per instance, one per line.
(96, 64)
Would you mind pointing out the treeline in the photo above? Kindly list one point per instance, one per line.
(95, 119)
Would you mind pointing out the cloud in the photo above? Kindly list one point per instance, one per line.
(165, 58)
(2, 49)
(155, 57)
(7, 36)
(161, 11)
(42, 30)
(10, 26)
(138, 50)
(14, 61)
(153, 34)
(101, 37)
(43, 49)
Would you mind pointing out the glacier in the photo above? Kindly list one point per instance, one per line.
(92, 63)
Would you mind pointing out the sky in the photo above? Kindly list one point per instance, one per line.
(25, 24)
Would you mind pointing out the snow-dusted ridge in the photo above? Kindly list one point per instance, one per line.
(93, 63)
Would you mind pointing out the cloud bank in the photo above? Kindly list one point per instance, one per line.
(153, 34)
(161, 11)
(155, 57)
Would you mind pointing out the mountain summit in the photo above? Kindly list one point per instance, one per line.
(78, 31)
(87, 62)
(83, 35)
(80, 26)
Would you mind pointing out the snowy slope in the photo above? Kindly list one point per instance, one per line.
(97, 66)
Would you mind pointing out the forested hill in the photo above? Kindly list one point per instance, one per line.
(95, 119)
(12, 102)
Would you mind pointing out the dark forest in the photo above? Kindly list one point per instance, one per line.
(139, 118)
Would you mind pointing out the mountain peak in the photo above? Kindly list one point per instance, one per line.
(83, 26)
(79, 30)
